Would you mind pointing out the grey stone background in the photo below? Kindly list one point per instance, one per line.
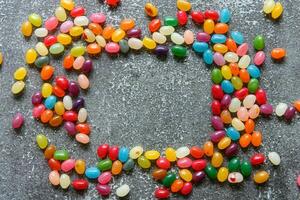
(141, 100)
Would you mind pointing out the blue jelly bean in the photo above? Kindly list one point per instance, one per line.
(253, 71)
(225, 15)
(233, 133)
(227, 87)
(50, 102)
(123, 154)
(218, 38)
(200, 47)
(237, 37)
(208, 57)
(92, 172)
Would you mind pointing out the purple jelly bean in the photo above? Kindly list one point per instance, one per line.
(198, 176)
(73, 89)
(70, 128)
(217, 123)
(290, 113)
(37, 98)
(217, 136)
(266, 109)
(231, 150)
(203, 37)
(17, 121)
(259, 58)
(87, 67)
(78, 103)
(103, 190)
(161, 50)
(225, 102)
(219, 59)
(134, 33)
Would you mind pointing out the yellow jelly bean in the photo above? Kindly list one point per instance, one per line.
(30, 56)
(89, 36)
(35, 19)
(59, 108)
(226, 72)
(118, 35)
(64, 39)
(170, 154)
(1, 58)
(261, 177)
(46, 90)
(237, 82)
(42, 141)
(41, 49)
(217, 159)
(268, 6)
(183, 5)
(100, 41)
(221, 48)
(209, 26)
(60, 14)
(144, 162)
(76, 31)
(26, 29)
(186, 175)
(17, 87)
(224, 143)
(222, 174)
(277, 11)
(77, 51)
(67, 4)
(80, 166)
(149, 43)
(20, 73)
(152, 155)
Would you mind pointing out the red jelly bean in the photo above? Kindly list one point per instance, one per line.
(162, 193)
(257, 159)
(242, 93)
(154, 25)
(112, 3)
(199, 165)
(261, 96)
(216, 107)
(197, 17)
(217, 92)
(182, 18)
(70, 116)
(83, 128)
(163, 163)
(102, 151)
(113, 153)
(211, 14)
(196, 152)
(57, 91)
(38, 110)
(77, 11)
(80, 184)
(184, 163)
(54, 164)
(187, 188)
(50, 40)
(62, 82)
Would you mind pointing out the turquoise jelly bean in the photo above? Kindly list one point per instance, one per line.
(123, 154)
(225, 15)
(200, 47)
(237, 37)
(50, 102)
(227, 87)
(218, 38)
(129, 165)
(92, 172)
(253, 71)
(208, 57)
(233, 133)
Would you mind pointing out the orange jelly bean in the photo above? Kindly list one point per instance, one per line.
(46, 116)
(47, 72)
(244, 75)
(208, 148)
(56, 121)
(177, 185)
(154, 25)
(245, 140)
(58, 91)
(230, 43)
(127, 24)
(68, 62)
(108, 31)
(49, 151)
(226, 117)
(116, 167)
(93, 49)
(249, 126)
(278, 53)
(256, 138)
(235, 70)
(221, 28)
(95, 28)
(297, 105)
(83, 128)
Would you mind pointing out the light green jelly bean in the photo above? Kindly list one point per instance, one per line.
(35, 19)
(77, 51)
(56, 49)
(144, 162)
(237, 83)
(42, 141)
(61, 155)
(253, 85)
(216, 76)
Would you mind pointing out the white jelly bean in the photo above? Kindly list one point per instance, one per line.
(101, 41)
(159, 38)
(235, 177)
(176, 38)
(280, 109)
(81, 21)
(244, 61)
(182, 152)
(167, 30)
(136, 152)
(234, 105)
(135, 43)
(123, 190)
(249, 101)
(274, 158)
(231, 57)
(41, 49)
(82, 115)
(41, 32)
(237, 124)
(64, 181)
(68, 104)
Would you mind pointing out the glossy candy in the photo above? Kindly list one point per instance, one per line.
(277, 11)
(104, 178)
(235, 177)
(225, 15)
(257, 159)
(42, 141)
(246, 168)
(259, 42)
(268, 6)
(151, 10)
(116, 168)
(237, 37)
(169, 179)
(163, 163)
(26, 29)
(261, 177)
(35, 19)
(80, 166)
(197, 17)
(278, 53)
(105, 165)
(103, 190)
(179, 51)
(61, 155)
(159, 174)
(17, 121)
(123, 190)
(211, 172)
(222, 174)
(144, 162)
(182, 18)
(41, 32)
(161, 193)
(80, 184)
(54, 177)
(274, 158)
(64, 181)
(92, 172)
(187, 188)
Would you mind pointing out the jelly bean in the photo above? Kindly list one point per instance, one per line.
(136, 152)
(80, 166)
(169, 179)
(249, 126)
(237, 37)
(216, 107)
(277, 11)
(41, 49)
(81, 21)
(67, 4)
(54, 164)
(151, 10)
(217, 160)
(208, 148)
(235, 177)
(92, 172)
(38, 110)
(253, 71)
(259, 58)
(200, 47)
(217, 92)
(203, 37)
(179, 51)
(182, 18)
(226, 117)
(17, 121)
(159, 38)
(183, 5)
(102, 150)
(187, 188)
(211, 172)
(68, 26)
(83, 81)
(220, 48)
(82, 115)
(103, 190)
(211, 14)
(242, 49)
(112, 48)
(177, 185)
(50, 102)
(118, 35)
(51, 23)
(268, 6)
(54, 177)
(144, 162)
(221, 28)
(83, 128)
(176, 38)
(20, 73)
(227, 86)
(171, 154)
(182, 152)
(42, 141)
(253, 85)
(64, 181)
(259, 42)
(80, 184)
(217, 136)
(242, 114)
(232, 132)
(257, 159)
(152, 155)
(199, 165)
(61, 155)
(50, 40)
(159, 174)
(135, 43)
(237, 124)
(93, 49)
(26, 29)
(261, 96)
(261, 177)
(149, 43)
(68, 165)
(95, 28)
(234, 105)
(135, 32)
(236, 82)
(246, 168)
(127, 24)
(170, 21)
(104, 178)
(245, 140)
(231, 44)
(161, 193)
(216, 76)
(46, 116)
(184, 163)
(163, 163)
(30, 56)
(278, 53)
(35, 19)
(217, 123)
(254, 111)
(281, 109)
(76, 31)
(105, 165)
(225, 15)
(56, 121)
(244, 61)
(208, 57)
(222, 174)
(196, 152)
(186, 175)
(116, 167)
(70, 116)
(290, 113)
(296, 104)
(231, 150)
(167, 30)
(73, 89)
(274, 158)
(41, 32)
(123, 154)
(82, 138)
(209, 26)
(188, 37)
(266, 109)
(155, 25)
(98, 18)
(218, 38)
(60, 14)
(234, 164)
(123, 190)
(124, 48)
(197, 17)
(112, 3)
(42, 61)
(49, 151)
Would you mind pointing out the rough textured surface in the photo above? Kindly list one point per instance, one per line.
(139, 99)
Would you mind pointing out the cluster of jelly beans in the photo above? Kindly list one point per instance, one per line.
(273, 9)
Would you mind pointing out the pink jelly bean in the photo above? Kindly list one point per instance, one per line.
(99, 18)
(298, 181)
(17, 121)
(112, 48)
(68, 165)
(103, 190)
(104, 178)
(219, 59)
(51, 23)
(203, 37)
(184, 163)
(242, 49)
(259, 58)
(66, 26)
(37, 110)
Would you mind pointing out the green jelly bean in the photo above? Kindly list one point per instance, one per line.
(253, 85)
(77, 51)
(169, 179)
(246, 168)
(61, 155)
(56, 49)
(104, 165)
(170, 21)
(42, 141)
(211, 172)
(129, 165)
(234, 164)
(42, 61)
(216, 76)
(124, 46)
(237, 83)
(259, 42)
(179, 51)
(144, 162)
(35, 19)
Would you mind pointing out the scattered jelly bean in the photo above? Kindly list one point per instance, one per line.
(222, 174)
(103, 190)
(105, 165)
(259, 42)
(92, 172)
(211, 172)
(281, 109)
(179, 51)
(231, 150)
(54, 177)
(217, 160)
(225, 15)
(199, 165)
(144, 162)
(136, 152)
(257, 159)
(163, 163)
(182, 18)
(68, 165)
(151, 10)
(159, 174)
(200, 47)
(268, 6)
(261, 177)
(187, 188)
(234, 164)
(246, 168)
(290, 113)
(197, 17)
(237, 37)
(17, 87)
(123, 190)
(35, 19)
(277, 10)
(184, 163)
(104, 178)
(80, 184)
(278, 53)
(26, 29)
(17, 121)
(169, 179)
(42, 141)
(162, 193)
(64, 181)
(116, 167)
(235, 177)
(274, 158)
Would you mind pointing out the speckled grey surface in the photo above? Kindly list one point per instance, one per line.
(139, 99)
